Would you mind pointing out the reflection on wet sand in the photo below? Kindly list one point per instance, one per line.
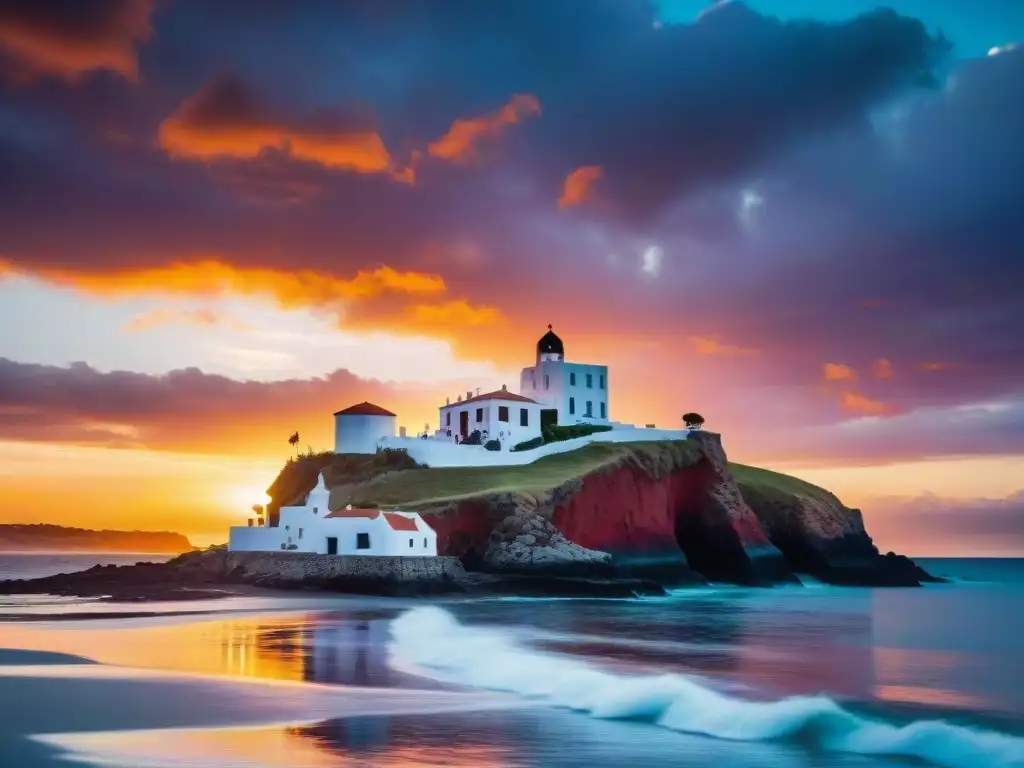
(338, 647)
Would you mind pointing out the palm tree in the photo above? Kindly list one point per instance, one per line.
(294, 440)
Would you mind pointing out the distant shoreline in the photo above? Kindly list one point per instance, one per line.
(102, 551)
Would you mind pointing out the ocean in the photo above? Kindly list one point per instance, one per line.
(719, 676)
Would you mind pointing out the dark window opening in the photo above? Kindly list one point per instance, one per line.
(601, 380)
(448, 419)
(410, 543)
(572, 405)
(603, 412)
(572, 379)
(479, 414)
(590, 409)
(424, 543)
(362, 541)
(524, 417)
(590, 380)
(547, 381)
(502, 413)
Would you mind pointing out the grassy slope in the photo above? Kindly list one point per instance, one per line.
(775, 486)
(417, 488)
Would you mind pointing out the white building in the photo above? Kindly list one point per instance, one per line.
(570, 393)
(313, 527)
(359, 428)
(502, 415)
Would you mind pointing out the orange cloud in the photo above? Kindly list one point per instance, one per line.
(839, 372)
(292, 289)
(856, 403)
(460, 143)
(578, 186)
(44, 39)
(935, 366)
(161, 316)
(456, 313)
(882, 368)
(225, 120)
(709, 345)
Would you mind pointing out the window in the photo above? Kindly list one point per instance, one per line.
(502, 413)
(410, 543)
(300, 533)
(424, 543)
(547, 381)
(448, 419)
(590, 409)
(362, 541)
(316, 510)
(480, 414)
(590, 380)
(603, 412)
(601, 380)
(572, 405)
(524, 417)
(572, 379)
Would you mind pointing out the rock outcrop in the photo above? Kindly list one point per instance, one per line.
(673, 511)
(820, 536)
(215, 573)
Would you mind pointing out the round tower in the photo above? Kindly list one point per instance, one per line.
(359, 428)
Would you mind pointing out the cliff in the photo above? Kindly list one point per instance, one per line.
(676, 511)
(56, 538)
(818, 534)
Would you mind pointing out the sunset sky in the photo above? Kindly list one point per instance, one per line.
(222, 221)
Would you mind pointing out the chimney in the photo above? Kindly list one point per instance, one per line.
(401, 431)
(447, 401)
(504, 388)
(458, 399)
(250, 522)
(469, 395)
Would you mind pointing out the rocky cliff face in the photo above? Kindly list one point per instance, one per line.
(664, 510)
(820, 536)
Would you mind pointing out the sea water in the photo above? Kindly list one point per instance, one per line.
(792, 676)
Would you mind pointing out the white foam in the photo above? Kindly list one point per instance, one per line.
(432, 642)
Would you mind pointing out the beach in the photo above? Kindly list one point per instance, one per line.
(701, 677)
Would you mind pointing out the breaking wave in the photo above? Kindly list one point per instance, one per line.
(437, 645)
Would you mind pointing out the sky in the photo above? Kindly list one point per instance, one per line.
(222, 222)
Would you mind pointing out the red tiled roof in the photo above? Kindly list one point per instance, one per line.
(372, 514)
(364, 409)
(400, 522)
(501, 394)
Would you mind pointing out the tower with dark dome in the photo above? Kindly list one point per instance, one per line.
(569, 393)
(550, 347)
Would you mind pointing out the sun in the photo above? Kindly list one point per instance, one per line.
(239, 498)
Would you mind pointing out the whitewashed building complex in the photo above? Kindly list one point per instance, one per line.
(570, 393)
(313, 527)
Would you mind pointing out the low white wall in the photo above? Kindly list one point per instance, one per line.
(256, 539)
(436, 453)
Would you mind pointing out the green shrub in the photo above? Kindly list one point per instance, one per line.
(559, 432)
(529, 445)
(473, 438)
(492, 445)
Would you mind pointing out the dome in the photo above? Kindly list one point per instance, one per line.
(550, 344)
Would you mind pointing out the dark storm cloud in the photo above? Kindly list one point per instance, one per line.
(902, 243)
(928, 524)
(181, 410)
(67, 38)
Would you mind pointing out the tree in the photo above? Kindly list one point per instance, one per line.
(294, 440)
(258, 509)
(693, 420)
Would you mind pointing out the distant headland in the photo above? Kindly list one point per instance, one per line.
(57, 538)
